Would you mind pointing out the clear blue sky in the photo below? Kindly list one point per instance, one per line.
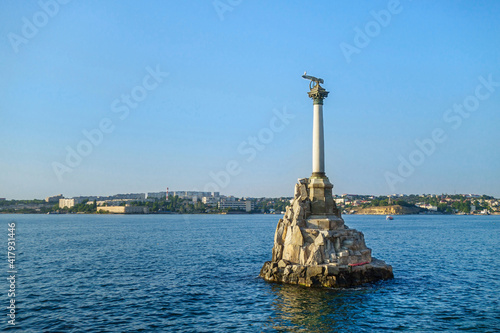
(231, 67)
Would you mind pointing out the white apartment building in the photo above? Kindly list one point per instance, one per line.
(210, 201)
(54, 198)
(245, 205)
(69, 202)
(156, 195)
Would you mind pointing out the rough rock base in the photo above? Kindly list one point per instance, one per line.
(332, 276)
(313, 246)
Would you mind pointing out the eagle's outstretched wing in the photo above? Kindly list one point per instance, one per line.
(312, 78)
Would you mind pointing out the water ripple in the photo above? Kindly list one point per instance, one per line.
(199, 274)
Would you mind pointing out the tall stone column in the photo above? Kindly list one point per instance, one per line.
(320, 188)
(318, 149)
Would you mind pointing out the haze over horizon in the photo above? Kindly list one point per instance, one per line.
(100, 98)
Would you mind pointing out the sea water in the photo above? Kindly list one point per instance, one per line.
(199, 273)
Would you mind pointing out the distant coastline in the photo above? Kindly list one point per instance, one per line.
(192, 202)
(386, 210)
(400, 210)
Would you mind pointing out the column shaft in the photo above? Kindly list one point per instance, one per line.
(318, 157)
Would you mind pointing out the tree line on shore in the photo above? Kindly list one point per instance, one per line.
(446, 204)
(173, 205)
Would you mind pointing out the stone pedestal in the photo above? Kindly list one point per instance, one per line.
(320, 194)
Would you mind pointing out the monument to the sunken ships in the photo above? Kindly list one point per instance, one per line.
(312, 245)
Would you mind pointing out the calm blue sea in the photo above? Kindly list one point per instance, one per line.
(199, 273)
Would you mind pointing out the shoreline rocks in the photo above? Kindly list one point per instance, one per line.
(333, 276)
(389, 210)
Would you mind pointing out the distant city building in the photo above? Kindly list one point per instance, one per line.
(194, 195)
(119, 202)
(124, 209)
(426, 206)
(54, 198)
(191, 194)
(68, 203)
(210, 201)
(238, 205)
(136, 196)
(156, 195)
(90, 198)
